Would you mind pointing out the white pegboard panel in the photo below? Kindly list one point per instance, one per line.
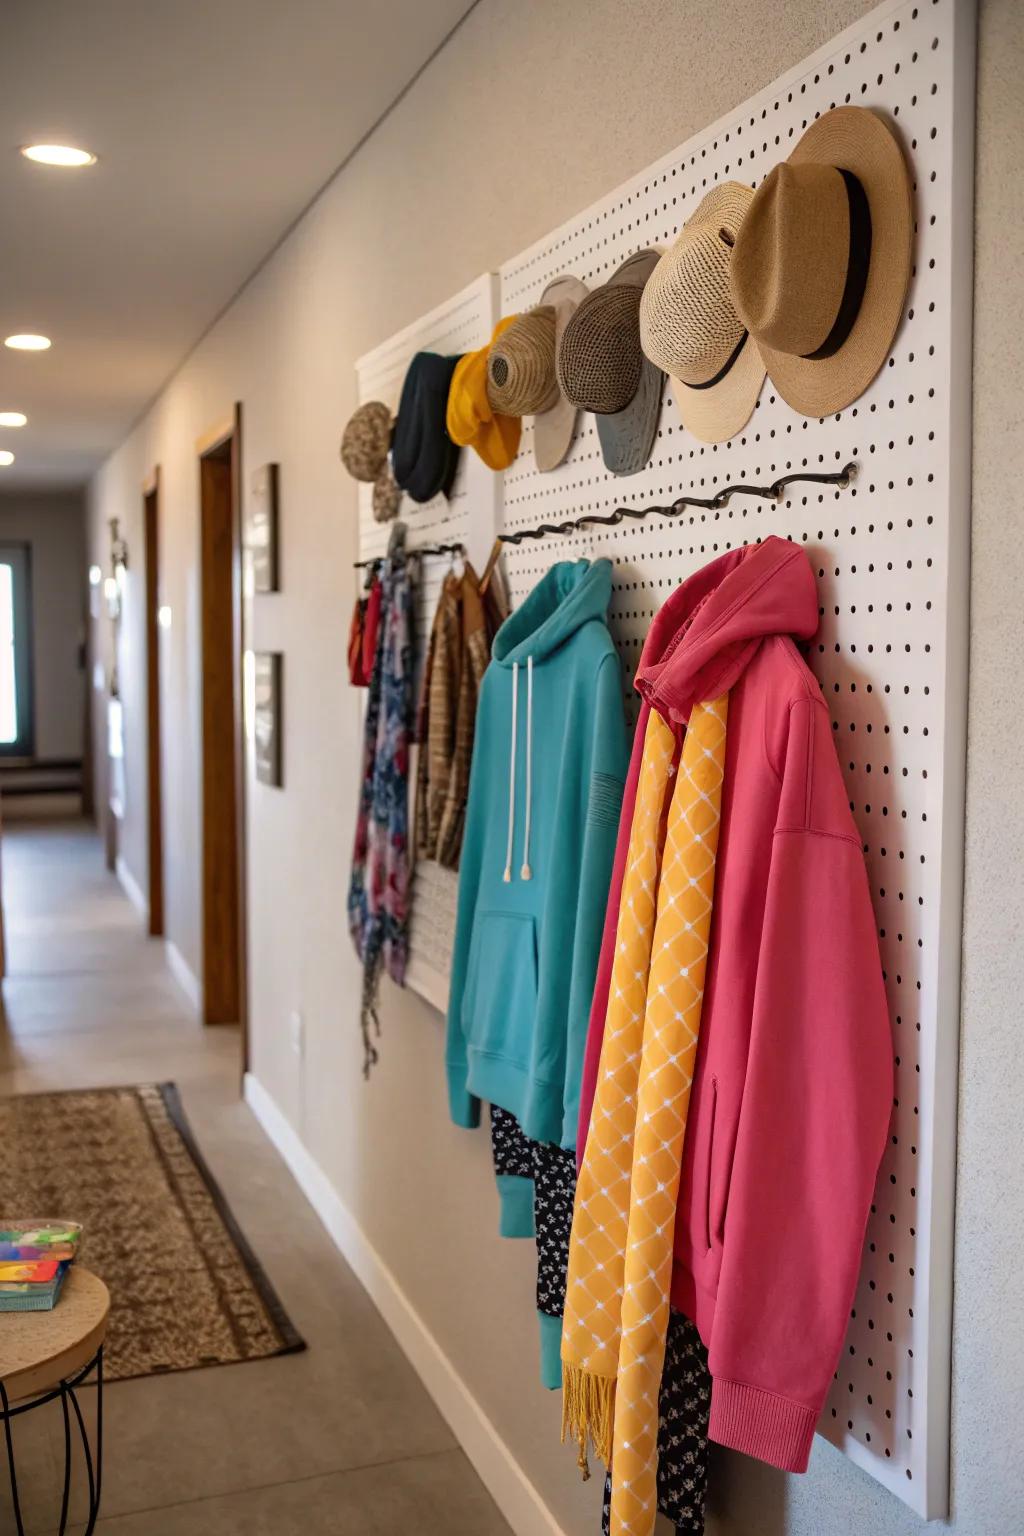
(890, 555)
(469, 516)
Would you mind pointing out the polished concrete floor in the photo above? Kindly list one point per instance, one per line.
(341, 1440)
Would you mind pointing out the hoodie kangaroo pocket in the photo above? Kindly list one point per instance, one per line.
(500, 1001)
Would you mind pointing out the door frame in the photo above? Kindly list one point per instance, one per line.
(227, 435)
(154, 770)
(23, 750)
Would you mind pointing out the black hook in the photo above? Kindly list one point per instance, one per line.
(714, 503)
(411, 552)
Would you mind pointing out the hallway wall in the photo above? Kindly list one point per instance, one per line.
(52, 524)
(497, 142)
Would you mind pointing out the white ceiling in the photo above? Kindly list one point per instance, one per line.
(216, 122)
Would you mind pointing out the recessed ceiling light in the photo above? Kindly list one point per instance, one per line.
(6, 456)
(27, 343)
(13, 419)
(58, 154)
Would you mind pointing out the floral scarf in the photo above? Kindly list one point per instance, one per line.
(378, 897)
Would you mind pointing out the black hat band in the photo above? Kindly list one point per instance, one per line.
(857, 267)
(730, 360)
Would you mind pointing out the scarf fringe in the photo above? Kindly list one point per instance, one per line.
(588, 1412)
(369, 1019)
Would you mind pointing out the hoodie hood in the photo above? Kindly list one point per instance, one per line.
(707, 633)
(572, 592)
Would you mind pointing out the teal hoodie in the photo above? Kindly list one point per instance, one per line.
(549, 761)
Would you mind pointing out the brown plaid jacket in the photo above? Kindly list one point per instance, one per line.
(457, 656)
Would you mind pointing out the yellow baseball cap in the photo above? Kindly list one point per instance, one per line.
(471, 420)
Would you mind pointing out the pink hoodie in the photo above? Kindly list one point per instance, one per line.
(793, 1085)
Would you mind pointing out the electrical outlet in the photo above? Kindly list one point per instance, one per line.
(296, 1032)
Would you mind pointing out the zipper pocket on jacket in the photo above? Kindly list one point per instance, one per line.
(711, 1149)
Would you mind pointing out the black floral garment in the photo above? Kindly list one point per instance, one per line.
(683, 1411)
(684, 1405)
(553, 1171)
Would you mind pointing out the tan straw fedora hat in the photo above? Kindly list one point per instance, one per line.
(823, 261)
(521, 375)
(689, 325)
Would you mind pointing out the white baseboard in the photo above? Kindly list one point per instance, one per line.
(131, 887)
(178, 966)
(505, 1479)
(184, 975)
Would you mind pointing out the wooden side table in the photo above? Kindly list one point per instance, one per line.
(46, 1356)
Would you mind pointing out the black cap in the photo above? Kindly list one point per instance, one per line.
(423, 456)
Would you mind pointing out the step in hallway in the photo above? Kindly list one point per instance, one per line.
(341, 1440)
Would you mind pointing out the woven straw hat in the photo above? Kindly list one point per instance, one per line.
(602, 368)
(822, 264)
(471, 417)
(521, 365)
(522, 378)
(366, 440)
(689, 325)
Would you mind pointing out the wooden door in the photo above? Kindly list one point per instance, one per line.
(154, 797)
(223, 883)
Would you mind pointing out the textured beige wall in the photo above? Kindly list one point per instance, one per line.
(53, 525)
(531, 112)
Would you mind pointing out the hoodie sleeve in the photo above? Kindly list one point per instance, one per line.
(609, 757)
(813, 1123)
(464, 1106)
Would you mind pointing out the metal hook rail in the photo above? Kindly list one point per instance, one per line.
(413, 552)
(773, 492)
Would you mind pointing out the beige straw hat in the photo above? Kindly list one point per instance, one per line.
(823, 261)
(689, 325)
(521, 375)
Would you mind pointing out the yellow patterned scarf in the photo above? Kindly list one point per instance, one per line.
(620, 1255)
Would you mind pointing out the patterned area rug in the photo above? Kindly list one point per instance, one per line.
(186, 1289)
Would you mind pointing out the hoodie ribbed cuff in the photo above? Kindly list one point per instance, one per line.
(463, 1106)
(550, 1352)
(774, 1429)
(516, 1195)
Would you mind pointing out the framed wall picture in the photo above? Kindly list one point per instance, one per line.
(267, 674)
(263, 529)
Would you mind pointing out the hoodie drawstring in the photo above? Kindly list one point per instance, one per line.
(525, 872)
(512, 776)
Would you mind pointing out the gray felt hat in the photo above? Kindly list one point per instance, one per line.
(602, 367)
